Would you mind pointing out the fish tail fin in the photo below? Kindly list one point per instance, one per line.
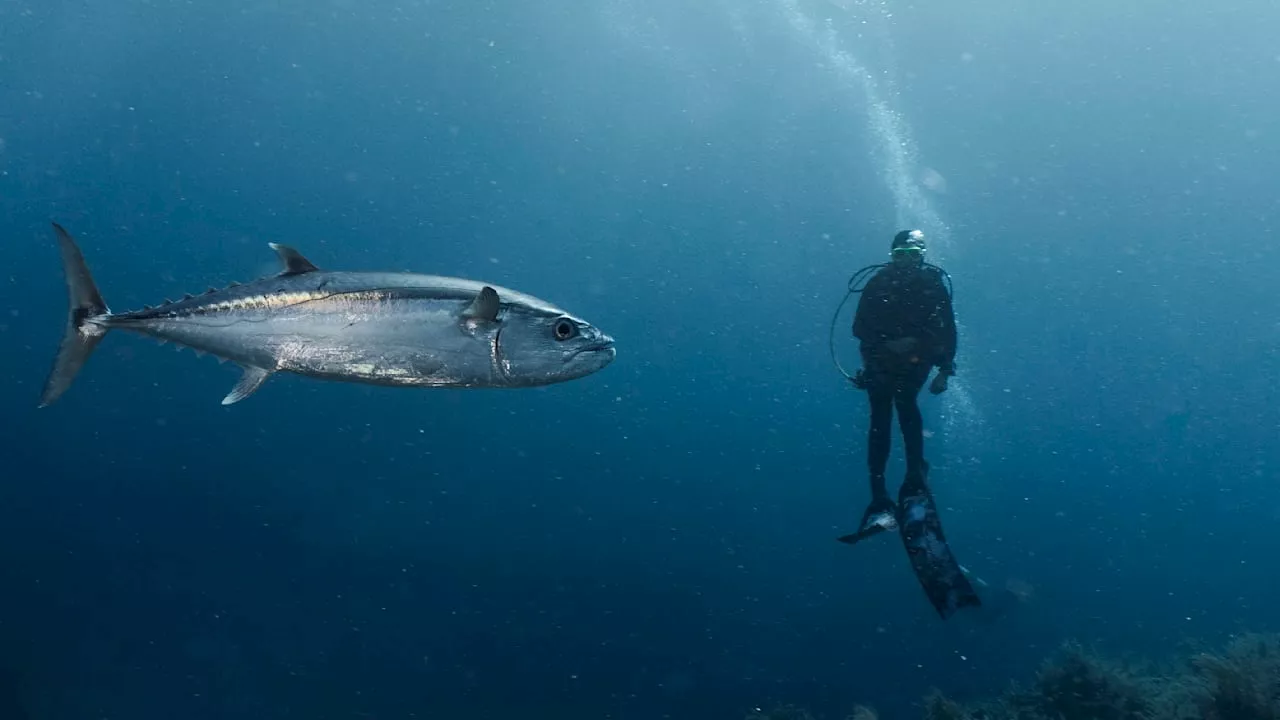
(82, 334)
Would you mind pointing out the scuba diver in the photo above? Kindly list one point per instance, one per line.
(906, 327)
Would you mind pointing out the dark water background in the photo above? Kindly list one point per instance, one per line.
(699, 179)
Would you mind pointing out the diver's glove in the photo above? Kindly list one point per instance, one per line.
(939, 384)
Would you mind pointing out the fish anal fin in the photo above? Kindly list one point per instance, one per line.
(292, 260)
(250, 381)
(484, 307)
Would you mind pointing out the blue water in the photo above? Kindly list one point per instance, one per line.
(699, 180)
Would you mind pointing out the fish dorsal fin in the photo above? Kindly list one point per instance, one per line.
(484, 307)
(250, 381)
(294, 263)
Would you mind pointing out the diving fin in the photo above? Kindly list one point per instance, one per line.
(250, 381)
(879, 516)
(944, 581)
(83, 331)
(863, 534)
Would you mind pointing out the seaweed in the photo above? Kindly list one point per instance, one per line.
(780, 712)
(1077, 684)
(940, 707)
(1240, 682)
(792, 712)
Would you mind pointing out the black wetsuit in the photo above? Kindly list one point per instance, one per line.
(902, 303)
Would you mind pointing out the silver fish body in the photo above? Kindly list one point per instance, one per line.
(397, 329)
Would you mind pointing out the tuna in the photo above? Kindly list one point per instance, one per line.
(378, 328)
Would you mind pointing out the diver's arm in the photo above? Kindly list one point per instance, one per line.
(946, 333)
(866, 320)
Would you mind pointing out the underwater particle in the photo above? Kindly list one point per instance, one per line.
(933, 180)
(1020, 589)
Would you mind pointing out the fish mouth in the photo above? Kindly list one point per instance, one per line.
(600, 346)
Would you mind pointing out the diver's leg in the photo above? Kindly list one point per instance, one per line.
(881, 513)
(879, 436)
(911, 421)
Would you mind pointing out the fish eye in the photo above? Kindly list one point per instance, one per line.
(565, 329)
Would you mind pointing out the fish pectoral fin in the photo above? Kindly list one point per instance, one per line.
(484, 307)
(292, 260)
(250, 381)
